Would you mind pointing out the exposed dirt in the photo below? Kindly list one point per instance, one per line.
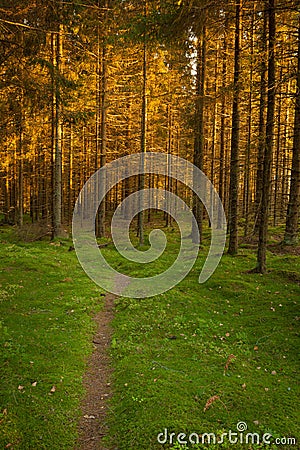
(92, 425)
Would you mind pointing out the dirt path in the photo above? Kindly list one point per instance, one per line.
(92, 425)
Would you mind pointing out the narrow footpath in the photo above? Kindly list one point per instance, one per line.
(97, 379)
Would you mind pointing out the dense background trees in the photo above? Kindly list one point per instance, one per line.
(83, 83)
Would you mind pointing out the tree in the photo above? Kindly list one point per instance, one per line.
(234, 159)
(265, 197)
(143, 131)
(291, 236)
(199, 128)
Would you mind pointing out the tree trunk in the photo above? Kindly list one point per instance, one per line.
(57, 156)
(261, 125)
(265, 197)
(235, 138)
(247, 186)
(103, 137)
(222, 126)
(19, 154)
(277, 156)
(199, 131)
(143, 136)
(291, 236)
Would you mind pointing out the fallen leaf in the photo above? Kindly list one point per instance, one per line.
(244, 386)
(53, 389)
(229, 360)
(273, 372)
(34, 383)
(4, 412)
(255, 348)
(20, 387)
(210, 401)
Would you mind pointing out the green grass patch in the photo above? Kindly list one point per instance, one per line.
(46, 308)
(170, 354)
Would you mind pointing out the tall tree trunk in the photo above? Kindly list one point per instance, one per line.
(291, 236)
(277, 156)
(265, 197)
(19, 155)
(103, 136)
(222, 125)
(261, 125)
(168, 180)
(247, 187)
(143, 135)
(199, 131)
(235, 138)
(57, 157)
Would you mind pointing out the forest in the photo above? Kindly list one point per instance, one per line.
(85, 82)
(213, 82)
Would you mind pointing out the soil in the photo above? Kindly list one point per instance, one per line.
(97, 379)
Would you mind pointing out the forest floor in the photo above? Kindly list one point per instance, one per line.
(197, 359)
(97, 383)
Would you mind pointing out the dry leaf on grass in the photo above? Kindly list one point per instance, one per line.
(229, 360)
(53, 389)
(210, 401)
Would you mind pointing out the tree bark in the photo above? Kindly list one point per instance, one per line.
(261, 125)
(222, 125)
(57, 156)
(265, 197)
(291, 236)
(143, 136)
(235, 138)
(103, 137)
(199, 131)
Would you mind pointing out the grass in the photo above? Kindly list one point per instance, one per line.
(46, 309)
(169, 352)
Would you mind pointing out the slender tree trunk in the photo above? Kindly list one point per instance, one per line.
(103, 137)
(261, 125)
(247, 186)
(265, 198)
(19, 154)
(222, 124)
(143, 136)
(235, 138)
(199, 131)
(57, 160)
(278, 150)
(168, 185)
(291, 236)
(214, 128)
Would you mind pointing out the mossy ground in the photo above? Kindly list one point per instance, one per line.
(46, 309)
(169, 352)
